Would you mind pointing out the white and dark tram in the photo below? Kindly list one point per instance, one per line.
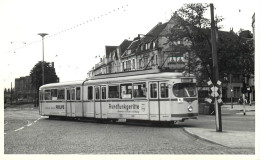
(157, 97)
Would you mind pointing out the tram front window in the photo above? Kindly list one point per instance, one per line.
(184, 90)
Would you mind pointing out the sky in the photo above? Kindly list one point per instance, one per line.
(74, 41)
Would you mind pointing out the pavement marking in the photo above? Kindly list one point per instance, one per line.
(4, 133)
(6, 123)
(29, 124)
(19, 129)
(35, 121)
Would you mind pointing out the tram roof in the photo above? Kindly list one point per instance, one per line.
(121, 77)
(135, 76)
(71, 83)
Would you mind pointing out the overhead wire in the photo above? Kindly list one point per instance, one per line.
(71, 28)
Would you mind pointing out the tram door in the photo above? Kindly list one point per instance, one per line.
(97, 103)
(68, 103)
(103, 102)
(154, 101)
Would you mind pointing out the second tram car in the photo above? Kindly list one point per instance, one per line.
(164, 96)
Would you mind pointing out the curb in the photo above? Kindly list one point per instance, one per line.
(204, 139)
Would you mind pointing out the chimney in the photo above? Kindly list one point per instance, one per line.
(52, 64)
(159, 23)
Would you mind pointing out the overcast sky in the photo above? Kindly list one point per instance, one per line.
(74, 50)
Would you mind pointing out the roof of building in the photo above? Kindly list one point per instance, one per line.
(124, 45)
(154, 32)
(109, 49)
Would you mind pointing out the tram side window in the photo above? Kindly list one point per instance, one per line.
(90, 93)
(78, 93)
(54, 94)
(47, 94)
(153, 90)
(68, 94)
(139, 90)
(73, 94)
(164, 90)
(97, 92)
(61, 94)
(126, 90)
(41, 95)
(103, 93)
(113, 91)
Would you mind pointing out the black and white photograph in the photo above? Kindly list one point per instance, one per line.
(124, 79)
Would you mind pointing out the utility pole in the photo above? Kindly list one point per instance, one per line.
(42, 35)
(215, 69)
(11, 93)
(231, 90)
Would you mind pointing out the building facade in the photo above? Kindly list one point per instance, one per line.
(148, 51)
(24, 91)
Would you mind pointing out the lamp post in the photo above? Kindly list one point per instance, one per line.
(42, 35)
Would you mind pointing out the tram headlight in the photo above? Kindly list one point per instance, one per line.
(190, 108)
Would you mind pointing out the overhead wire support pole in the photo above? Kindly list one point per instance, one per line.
(42, 35)
(215, 69)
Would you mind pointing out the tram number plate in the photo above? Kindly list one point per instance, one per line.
(180, 100)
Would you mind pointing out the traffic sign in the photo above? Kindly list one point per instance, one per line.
(215, 92)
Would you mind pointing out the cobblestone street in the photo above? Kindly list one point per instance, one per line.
(28, 133)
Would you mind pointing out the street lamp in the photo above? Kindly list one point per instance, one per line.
(42, 35)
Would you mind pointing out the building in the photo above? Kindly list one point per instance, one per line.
(148, 51)
(154, 50)
(24, 91)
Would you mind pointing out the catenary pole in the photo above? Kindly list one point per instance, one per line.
(215, 68)
(42, 35)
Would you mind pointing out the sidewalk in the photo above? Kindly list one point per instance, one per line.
(250, 110)
(232, 139)
(228, 138)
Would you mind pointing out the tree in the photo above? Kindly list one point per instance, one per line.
(192, 28)
(36, 75)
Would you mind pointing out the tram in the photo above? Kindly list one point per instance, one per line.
(158, 97)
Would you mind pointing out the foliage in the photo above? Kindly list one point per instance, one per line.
(192, 28)
(49, 74)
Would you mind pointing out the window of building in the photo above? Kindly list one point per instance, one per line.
(113, 91)
(153, 90)
(139, 90)
(128, 51)
(133, 64)
(53, 94)
(236, 92)
(90, 92)
(126, 90)
(47, 94)
(123, 66)
(164, 90)
(103, 93)
(61, 94)
(68, 94)
(146, 60)
(97, 92)
(140, 63)
(78, 93)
